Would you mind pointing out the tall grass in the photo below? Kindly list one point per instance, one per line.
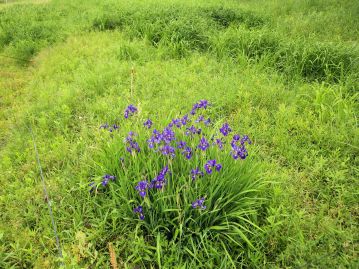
(180, 32)
(182, 29)
(26, 35)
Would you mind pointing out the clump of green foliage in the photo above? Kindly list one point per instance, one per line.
(161, 179)
(26, 35)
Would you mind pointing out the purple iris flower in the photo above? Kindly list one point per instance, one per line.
(203, 104)
(168, 150)
(129, 111)
(196, 173)
(185, 120)
(236, 137)
(106, 178)
(187, 152)
(193, 130)
(181, 144)
(200, 118)
(203, 144)
(164, 170)
(93, 186)
(219, 142)
(177, 123)
(142, 187)
(207, 122)
(225, 129)
(159, 181)
(104, 126)
(139, 211)
(168, 135)
(218, 167)
(199, 204)
(239, 152)
(194, 109)
(114, 127)
(208, 168)
(156, 138)
(132, 145)
(148, 124)
(212, 164)
(238, 146)
(200, 104)
(244, 139)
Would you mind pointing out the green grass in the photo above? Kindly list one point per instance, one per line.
(283, 72)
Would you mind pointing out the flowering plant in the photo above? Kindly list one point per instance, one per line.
(186, 177)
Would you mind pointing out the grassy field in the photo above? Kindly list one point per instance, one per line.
(284, 72)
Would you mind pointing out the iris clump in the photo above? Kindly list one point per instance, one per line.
(167, 142)
(176, 177)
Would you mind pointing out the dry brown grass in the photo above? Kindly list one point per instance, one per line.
(112, 256)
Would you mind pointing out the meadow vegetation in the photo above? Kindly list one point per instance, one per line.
(286, 73)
